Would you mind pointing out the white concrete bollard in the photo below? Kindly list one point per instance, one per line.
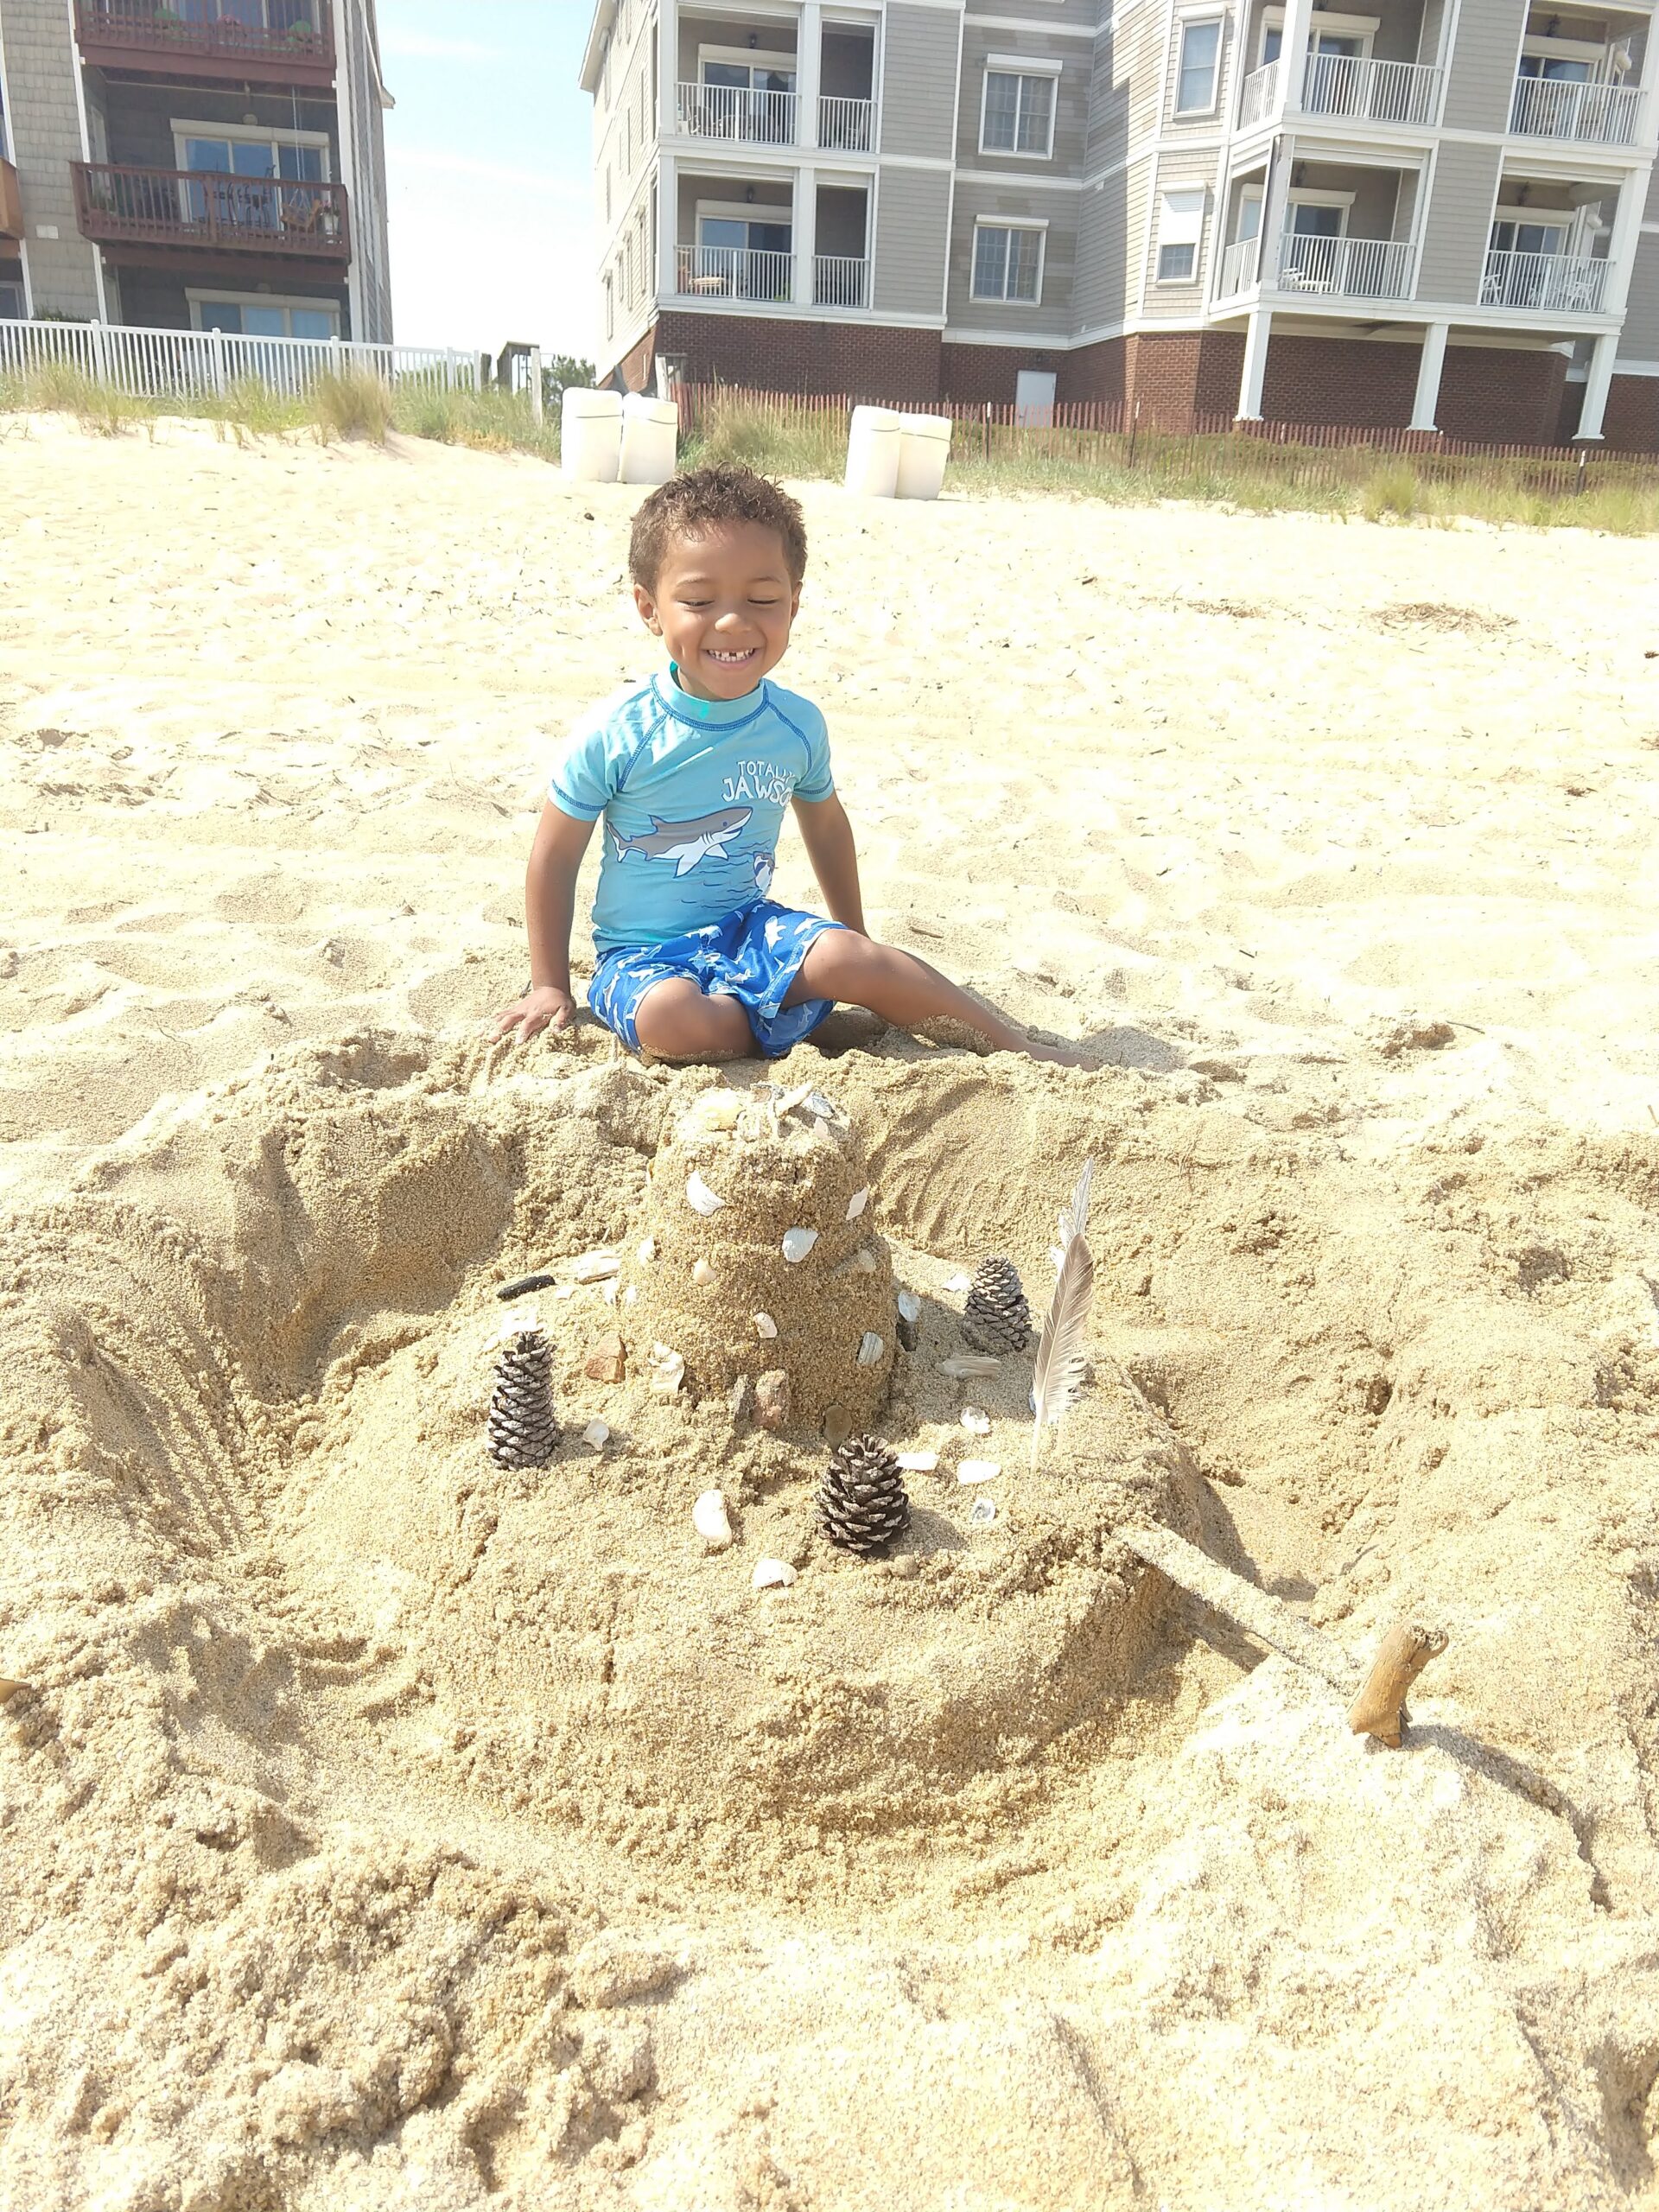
(873, 453)
(590, 434)
(650, 433)
(923, 448)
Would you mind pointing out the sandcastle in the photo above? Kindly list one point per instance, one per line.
(757, 1259)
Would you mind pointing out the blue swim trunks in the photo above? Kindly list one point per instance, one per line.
(752, 956)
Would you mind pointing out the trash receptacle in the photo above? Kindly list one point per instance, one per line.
(590, 434)
(873, 453)
(650, 436)
(923, 448)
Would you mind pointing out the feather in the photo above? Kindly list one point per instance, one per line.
(1061, 1357)
(1074, 1218)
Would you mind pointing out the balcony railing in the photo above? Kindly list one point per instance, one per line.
(1567, 284)
(733, 272)
(1239, 266)
(1370, 92)
(846, 126)
(840, 280)
(1596, 115)
(121, 206)
(1260, 95)
(289, 39)
(1349, 268)
(737, 115)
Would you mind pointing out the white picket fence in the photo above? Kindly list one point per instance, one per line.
(158, 364)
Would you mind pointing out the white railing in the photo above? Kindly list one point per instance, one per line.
(734, 272)
(1239, 266)
(1370, 92)
(1562, 282)
(1353, 269)
(154, 363)
(735, 113)
(840, 280)
(1598, 114)
(846, 126)
(1260, 96)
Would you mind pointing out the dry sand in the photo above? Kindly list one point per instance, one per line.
(382, 1829)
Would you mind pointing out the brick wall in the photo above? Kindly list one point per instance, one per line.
(1343, 380)
(1631, 422)
(1503, 395)
(638, 366)
(975, 374)
(784, 354)
(1095, 372)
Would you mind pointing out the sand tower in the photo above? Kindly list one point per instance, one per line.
(756, 1255)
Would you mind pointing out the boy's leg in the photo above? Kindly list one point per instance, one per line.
(677, 1022)
(902, 990)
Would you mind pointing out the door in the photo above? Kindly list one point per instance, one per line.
(1313, 245)
(1033, 399)
(1336, 75)
(1548, 103)
(1533, 277)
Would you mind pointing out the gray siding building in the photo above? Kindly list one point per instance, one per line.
(207, 164)
(1436, 214)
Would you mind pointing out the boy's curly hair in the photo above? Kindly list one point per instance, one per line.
(701, 500)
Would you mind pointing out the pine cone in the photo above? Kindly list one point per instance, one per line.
(996, 1317)
(861, 1500)
(523, 1427)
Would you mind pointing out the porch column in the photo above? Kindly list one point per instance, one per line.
(1622, 244)
(1428, 377)
(1256, 365)
(1299, 21)
(1595, 386)
(809, 66)
(668, 224)
(803, 233)
(1275, 210)
(668, 67)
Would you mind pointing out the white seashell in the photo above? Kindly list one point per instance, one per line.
(910, 1306)
(918, 1462)
(823, 1106)
(764, 1326)
(699, 1197)
(960, 1283)
(596, 1434)
(773, 1574)
(785, 1102)
(975, 1421)
(608, 1291)
(667, 1369)
(979, 1470)
(648, 1251)
(798, 1242)
(857, 1202)
(983, 1512)
(970, 1363)
(631, 1293)
(709, 1519)
(702, 1273)
(594, 1267)
(564, 1290)
(870, 1349)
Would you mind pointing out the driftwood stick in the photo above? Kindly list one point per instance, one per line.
(1380, 1708)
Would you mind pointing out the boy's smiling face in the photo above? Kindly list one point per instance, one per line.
(722, 604)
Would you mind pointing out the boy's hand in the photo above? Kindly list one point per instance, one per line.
(542, 1008)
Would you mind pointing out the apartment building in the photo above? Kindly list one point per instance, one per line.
(1434, 213)
(205, 164)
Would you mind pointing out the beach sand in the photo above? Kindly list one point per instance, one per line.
(382, 1828)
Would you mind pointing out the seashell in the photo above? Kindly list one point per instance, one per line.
(699, 1197)
(764, 1326)
(785, 1102)
(983, 1512)
(960, 1283)
(910, 1306)
(648, 1251)
(667, 1369)
(594, 1267)
(918, 1462)
(709, 1519)
(870, 1349)
(979, 1470)
(597, 1433)
(773, 1574)
(857, 1202)
(798, 1242)
(631, 1293)
(702, 1273)
(608, 1291)
(975, 1421)
(564, 1290)
(966, 1364)
(825, 1108)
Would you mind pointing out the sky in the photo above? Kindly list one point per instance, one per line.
(489, 173)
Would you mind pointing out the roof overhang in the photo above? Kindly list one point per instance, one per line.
(598, 30)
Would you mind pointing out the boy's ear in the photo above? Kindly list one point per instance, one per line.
(647, 607)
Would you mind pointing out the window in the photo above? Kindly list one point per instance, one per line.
(1018, 114)
(12, 299)
(742, 257)
(255, 315)
(271, 155)
(627, 143)
(608, 191)
(1195, 79)
(610, 310)
(1180, 226)
(1008, 262)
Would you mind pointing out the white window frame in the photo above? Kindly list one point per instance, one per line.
(201, 295)
(1311, 196)
(1165, 194)
(1251, 195)
(749, 211)
(1018, 64)
(1569, 49)
(1008, 223)
(1363, 28)
(753, 57)
(1194, 22)
(257, 134)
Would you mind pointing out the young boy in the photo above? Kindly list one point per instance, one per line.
(691, 773)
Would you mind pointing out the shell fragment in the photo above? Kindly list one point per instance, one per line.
(870, 1349)
(702, 1274)
(710, 1520)
(648, 1251)
(699, 1197)
(971, 1363)
(960, 1283)
(824, 1107)
(979, 1470)
(975, 1421)
(798, 1242)
(918, 1462)
(857, 1202)
(715, 1110)
(910, 1306)
(983, 1512)
(773, 1574)
(595, 1266)
(597, 1433)
(764, 1326)
(667, 1369)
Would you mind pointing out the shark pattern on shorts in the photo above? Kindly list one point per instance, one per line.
(686, 843)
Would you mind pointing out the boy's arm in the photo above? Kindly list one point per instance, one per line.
(550, 909)
(828, 836)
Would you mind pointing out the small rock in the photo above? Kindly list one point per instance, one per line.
(773, 1574)
(711, 1521)
(737, 1399)
(906, 1567)
(772, 1400)
(607, 1361)
(798, 1242)
(764, 1326)
(838, 1426)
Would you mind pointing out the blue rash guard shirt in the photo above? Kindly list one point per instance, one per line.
(693, 793)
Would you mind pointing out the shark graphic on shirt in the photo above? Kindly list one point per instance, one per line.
(686, 843)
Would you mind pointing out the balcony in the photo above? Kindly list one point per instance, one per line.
(840, 280)
(1239, 266)
(208, 210)
(287, 41)
(733, 272)
(736, 116)
(1561, 284)
(11, 203)
(847, 126)
(1347, 269)
(1349, 87)
(1587, 114)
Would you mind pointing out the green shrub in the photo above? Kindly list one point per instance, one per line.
(352, 404)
